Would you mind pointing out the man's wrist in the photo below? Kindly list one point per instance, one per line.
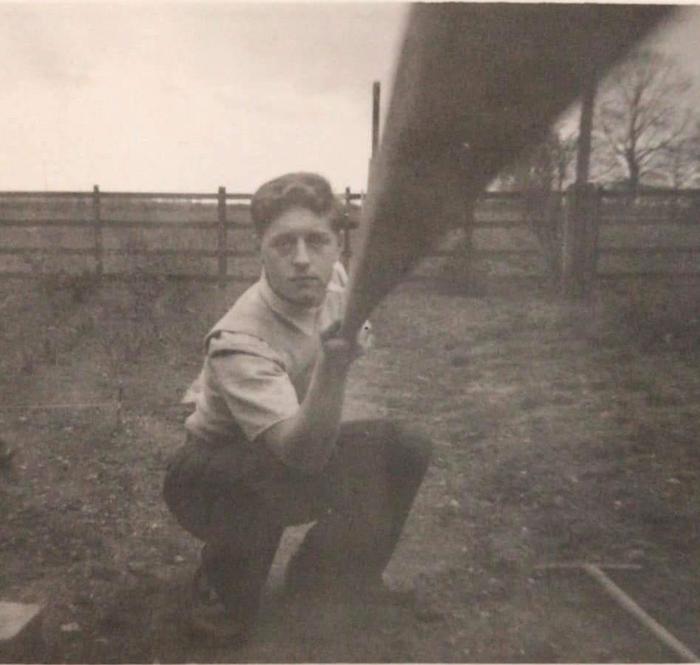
(338, 352)
(337, 364)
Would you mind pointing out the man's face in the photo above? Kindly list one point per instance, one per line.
(298, 252)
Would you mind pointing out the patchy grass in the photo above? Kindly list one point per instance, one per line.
(561, 433)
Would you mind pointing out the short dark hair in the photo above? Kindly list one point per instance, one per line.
(303, 190)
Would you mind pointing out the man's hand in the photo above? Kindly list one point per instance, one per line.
(338, 351)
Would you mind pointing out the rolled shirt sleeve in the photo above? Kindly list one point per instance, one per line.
(253, 382)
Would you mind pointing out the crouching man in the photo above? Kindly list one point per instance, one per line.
(265, 446)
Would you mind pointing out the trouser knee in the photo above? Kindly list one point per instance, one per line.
(180, 497)
(409, 452)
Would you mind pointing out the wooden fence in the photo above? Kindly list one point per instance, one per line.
(123, 234)
(580, 237)
(209, 236)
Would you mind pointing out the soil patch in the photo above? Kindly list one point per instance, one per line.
(562, 433)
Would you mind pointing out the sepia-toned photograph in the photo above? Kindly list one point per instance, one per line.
(349, 332)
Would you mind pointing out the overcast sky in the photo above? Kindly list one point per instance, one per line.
(188, 97)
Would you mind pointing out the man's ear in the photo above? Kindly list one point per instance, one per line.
(339, 241)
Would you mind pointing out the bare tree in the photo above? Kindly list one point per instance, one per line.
(679, 164)
(643, 118)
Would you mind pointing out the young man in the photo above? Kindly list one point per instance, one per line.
(265, 445)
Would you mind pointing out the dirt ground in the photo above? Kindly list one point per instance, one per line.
(562, 433)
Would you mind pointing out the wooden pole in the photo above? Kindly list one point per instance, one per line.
(347, 249)
(580, 235)
(376, 107)
(221, 245)
(585, 131)
(97, 221)
(462, 108)
(579, 248)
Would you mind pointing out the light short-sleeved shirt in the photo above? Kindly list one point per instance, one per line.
(259, 360)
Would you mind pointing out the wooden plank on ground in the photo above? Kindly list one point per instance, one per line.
(15, 618)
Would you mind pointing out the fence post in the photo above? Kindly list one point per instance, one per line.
(97, 221)
(592, 237)
(221, 246)
(674, 215)
(347, 248)
(580, 240)
(466, 266)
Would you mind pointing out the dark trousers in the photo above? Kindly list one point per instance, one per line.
(238, 498)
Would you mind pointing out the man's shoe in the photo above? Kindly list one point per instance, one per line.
(216, 625)
(209, 619)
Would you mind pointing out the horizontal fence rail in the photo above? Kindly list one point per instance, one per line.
(210, 236)
(125, 234)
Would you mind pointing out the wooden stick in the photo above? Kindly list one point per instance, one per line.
(638, 613)
(581, 564)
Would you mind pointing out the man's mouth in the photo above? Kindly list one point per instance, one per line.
(306, 280)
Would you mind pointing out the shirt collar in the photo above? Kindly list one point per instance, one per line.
(304, 318)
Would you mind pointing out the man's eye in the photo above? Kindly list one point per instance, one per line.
(317, 240)
(284, 244)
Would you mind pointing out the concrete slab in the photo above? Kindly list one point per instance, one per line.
(15, 618)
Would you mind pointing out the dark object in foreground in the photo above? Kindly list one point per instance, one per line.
(475, 86)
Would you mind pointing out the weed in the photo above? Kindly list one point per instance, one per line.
(662, 316)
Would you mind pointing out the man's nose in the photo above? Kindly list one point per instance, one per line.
(301, 254)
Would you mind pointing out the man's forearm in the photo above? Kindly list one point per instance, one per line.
(306, 441)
